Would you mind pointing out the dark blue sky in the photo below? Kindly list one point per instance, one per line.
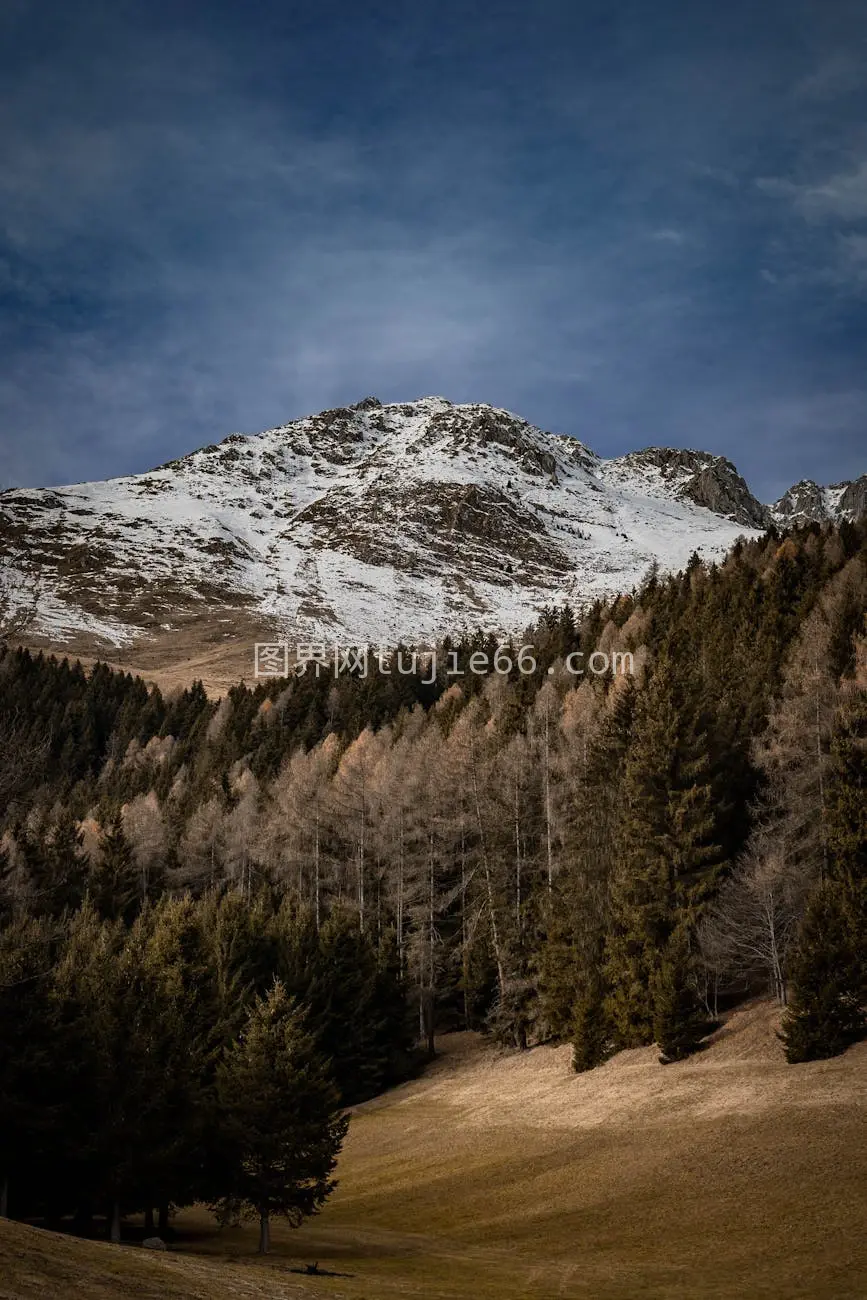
(638, 223)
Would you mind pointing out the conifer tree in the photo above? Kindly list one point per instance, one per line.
(28, 1044)
(114, 884)
(588, 808)
(352, 1027)
(145, 828)
(176, 1013)
(825, 1014)
(847, 815)
(91, 1040)
(591, 1029)
(667, 850)
(829, 1006)
(63, 865)
(679, 1020)
(280, 1124)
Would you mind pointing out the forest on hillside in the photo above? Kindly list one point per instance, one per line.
(354, 865)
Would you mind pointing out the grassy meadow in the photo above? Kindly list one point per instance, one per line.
(505, 1175)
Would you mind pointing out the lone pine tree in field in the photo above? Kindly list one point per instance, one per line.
(281, 1128)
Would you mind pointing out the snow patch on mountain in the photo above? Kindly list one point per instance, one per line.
(371, 523)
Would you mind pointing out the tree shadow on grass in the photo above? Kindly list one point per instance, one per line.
(313, 1270)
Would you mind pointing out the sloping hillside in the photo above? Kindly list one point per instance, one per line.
(38, 1265)
(729, 1175)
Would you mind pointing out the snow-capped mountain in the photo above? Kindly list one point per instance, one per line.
(371, 523)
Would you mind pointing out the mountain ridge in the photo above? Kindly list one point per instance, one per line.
(376, 523)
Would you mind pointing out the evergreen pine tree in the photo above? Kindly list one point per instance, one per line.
(559, 962)
(825, 1014)
(679, 1019)
(28, 1043)
(280, 1124)
(667, 855)
(345, 1016)
(847, 824)
(591, 1030)
(91, 1038)
(113, 887)
(829, 974)
(175, 1027)
(63, 864)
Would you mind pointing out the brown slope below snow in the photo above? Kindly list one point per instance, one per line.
(218, 651)
(504, 1175)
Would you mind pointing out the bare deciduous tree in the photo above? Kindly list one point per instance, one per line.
(753, 926)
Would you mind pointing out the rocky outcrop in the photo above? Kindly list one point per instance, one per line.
(808, 503)
(804, 503)
(853, 500)
(710, 481)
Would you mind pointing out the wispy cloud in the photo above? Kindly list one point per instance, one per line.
(842, 196)
(668, 235)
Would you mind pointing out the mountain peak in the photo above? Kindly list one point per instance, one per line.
(374, 522)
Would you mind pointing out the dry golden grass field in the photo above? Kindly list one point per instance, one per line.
(495, 1175)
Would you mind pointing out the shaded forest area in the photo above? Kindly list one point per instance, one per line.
(352, 866)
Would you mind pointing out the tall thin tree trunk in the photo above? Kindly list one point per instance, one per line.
(820, 764)
(316, 870)
(489, 884)
(264, 1234)
(4, 1198)
(361, 849)
(114, 1232)
(517, 859)
(163, 1222)
(400, 874)
(431, 970)
(149, 1221)
(465, 958)
(547, 771)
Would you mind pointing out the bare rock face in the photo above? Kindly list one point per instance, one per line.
(710, 481)
(154, 1243)
(853, 499)
(369, 523)
(808, 503)
(722, 490)
(803, 503)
